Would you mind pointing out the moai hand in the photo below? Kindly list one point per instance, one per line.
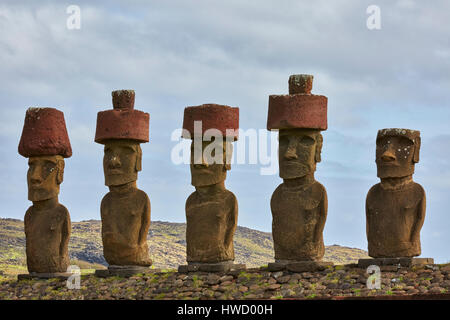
(395, 207)
(299, 204)
(125, 210)
(45, 142)
(212, 210)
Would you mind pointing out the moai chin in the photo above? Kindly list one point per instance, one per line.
(45, 143)
(211, 210)
(125, 210)
(299, 204)
(395, 207)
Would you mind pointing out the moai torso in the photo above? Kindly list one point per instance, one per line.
(125, 227)
(212, 210)
(45, 143)
(47, 235)
(125, 210)
(395, 207)
(299, 205)
(298, 219)
(211, 223)
(394, 219)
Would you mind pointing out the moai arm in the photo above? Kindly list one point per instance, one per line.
(232, 220)
(27, 221)
(65, 234)
(318, 232)
(109, 231)
(367, 216)
(145, 224)
(420, 218)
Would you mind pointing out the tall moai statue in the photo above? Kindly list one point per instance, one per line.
(125, 209)
(395, 207)
(211, 210)
(299, 204)
(45, 143)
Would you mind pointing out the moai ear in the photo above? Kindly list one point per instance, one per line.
(228, 150)
(60, 171)
(139, 159)
(319, 143)
(416, 150)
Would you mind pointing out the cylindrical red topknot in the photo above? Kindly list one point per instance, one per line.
(122, 122)
(44, 134)
(212, 116)
(299, 109)
(123, 99)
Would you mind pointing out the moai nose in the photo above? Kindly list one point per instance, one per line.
(114, 162)
(290, 153)
(202, 164)
(291, 150)
(388, 156)
(36, 176)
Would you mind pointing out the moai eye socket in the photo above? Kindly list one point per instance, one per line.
(49, 167)
(283, 140)
(307, 141)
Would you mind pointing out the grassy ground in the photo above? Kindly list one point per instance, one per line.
(166, 243)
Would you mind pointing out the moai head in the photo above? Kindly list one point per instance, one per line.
(299, 117)
(299, 151)
(397, 152)
(122, 161)
(122, 130)
(45, 174)
(206, 168)
(46, 143)
(212, 128)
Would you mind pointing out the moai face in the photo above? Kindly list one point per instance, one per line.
(122, 161)
(207, 167)
(44, 176)
(299, 151)
(396, 154)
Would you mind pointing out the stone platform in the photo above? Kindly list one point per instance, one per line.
(124, 271)
(211, 267)
(405, 262)
(299, 266)
(50, 275)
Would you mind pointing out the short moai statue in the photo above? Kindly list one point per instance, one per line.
(299, 204)
(395, 207)
(45, 143)
(125, 209)
(211, 210)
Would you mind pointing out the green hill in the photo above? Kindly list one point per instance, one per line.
(166, 241)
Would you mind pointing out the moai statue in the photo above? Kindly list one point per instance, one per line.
(395, 207)
(46, 143)
(125, 210)
(211, 210)
(299, 204)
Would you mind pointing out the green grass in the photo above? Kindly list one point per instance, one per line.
(166, 245)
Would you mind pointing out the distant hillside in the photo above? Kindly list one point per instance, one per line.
(166, 241)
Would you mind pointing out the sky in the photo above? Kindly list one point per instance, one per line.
(177, 53)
